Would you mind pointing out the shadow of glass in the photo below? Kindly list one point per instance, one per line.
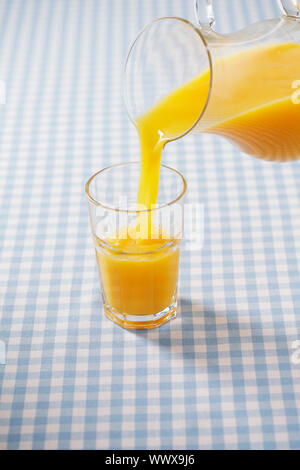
(219, 340)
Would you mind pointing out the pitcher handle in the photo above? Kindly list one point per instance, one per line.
(204, 13)
(290, 8)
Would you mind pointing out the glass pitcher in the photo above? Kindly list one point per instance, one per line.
(245, 85)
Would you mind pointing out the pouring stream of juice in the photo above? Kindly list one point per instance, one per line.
(259, 116)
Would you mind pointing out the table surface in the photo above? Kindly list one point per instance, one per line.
(226, 372)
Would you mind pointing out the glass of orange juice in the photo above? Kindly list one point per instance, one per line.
(137, 248)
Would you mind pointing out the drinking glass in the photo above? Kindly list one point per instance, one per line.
(137, 248)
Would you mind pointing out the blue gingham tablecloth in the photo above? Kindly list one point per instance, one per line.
(226, 373)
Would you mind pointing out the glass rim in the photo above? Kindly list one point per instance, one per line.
(210, 64)
(131, 211)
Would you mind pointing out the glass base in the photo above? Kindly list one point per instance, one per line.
(141, 321)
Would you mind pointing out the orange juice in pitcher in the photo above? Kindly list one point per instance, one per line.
(243, 86)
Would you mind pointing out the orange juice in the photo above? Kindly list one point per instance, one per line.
(250, 104)
(139, 276)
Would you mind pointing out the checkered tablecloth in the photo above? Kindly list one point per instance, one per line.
(226, 372)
